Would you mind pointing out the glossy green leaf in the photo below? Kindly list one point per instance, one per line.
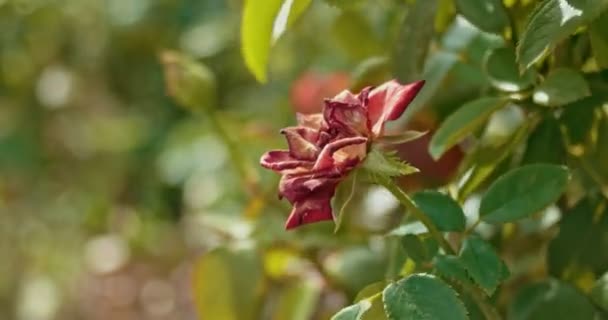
(419, 248)
(408, 60)
(562, 86)
(545, 143)
(445, 213)
(550, 300)
(263, 22)
(501, 68)
(256, 34)
(522, 192)
(353, 312)
(598, 34)
(553, 21)
(487, 15)
(463, 122)
(221, 288)
(451, 267)
(422, 297)
(599, 292)
(582, 230)
(483, 264)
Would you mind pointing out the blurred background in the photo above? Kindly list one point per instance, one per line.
(117, 203)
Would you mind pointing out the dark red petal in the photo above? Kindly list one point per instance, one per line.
(309, 211)
(282, 160)
(299, 187)
(301, 141)
(326, 160)
(388, 101)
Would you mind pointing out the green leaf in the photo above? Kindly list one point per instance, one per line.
(408, 60)
(353, 312)
(483, 264)
(487, 15)
(445, 213)
(342, 198)
(487, 158)
(522, 192)
(545, 143)
(562, 86)
(370, 308)
(582, 230)
(599, 292)
(419, 248)
(598, 34)
(463, 122)
(451, 267)
(422, 297)
(387, 164)
(401, 138)
(579, 124)
(501, 68)
(263, 23)
(553, 21)
(550, 300)
(188, 81)
(222, 290)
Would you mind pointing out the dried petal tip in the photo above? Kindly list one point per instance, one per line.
(388, 102)
(305, 214)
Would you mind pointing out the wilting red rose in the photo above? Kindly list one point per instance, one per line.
(325, 147)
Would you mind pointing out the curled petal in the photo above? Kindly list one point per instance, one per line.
(298, 187)
(346, 97)
(325, 158)
(301, 141)
(388, 101)
(350, 117)
(282, 161)
(313, 121)
(313, 209)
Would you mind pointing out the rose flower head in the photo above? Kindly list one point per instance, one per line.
(325, 147)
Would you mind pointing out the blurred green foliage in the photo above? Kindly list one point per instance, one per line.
(118, 203)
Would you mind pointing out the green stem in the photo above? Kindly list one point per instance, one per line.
(488, 310)
(407, 202)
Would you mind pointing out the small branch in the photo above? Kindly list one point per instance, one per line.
(488, 310)
(406, 201)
